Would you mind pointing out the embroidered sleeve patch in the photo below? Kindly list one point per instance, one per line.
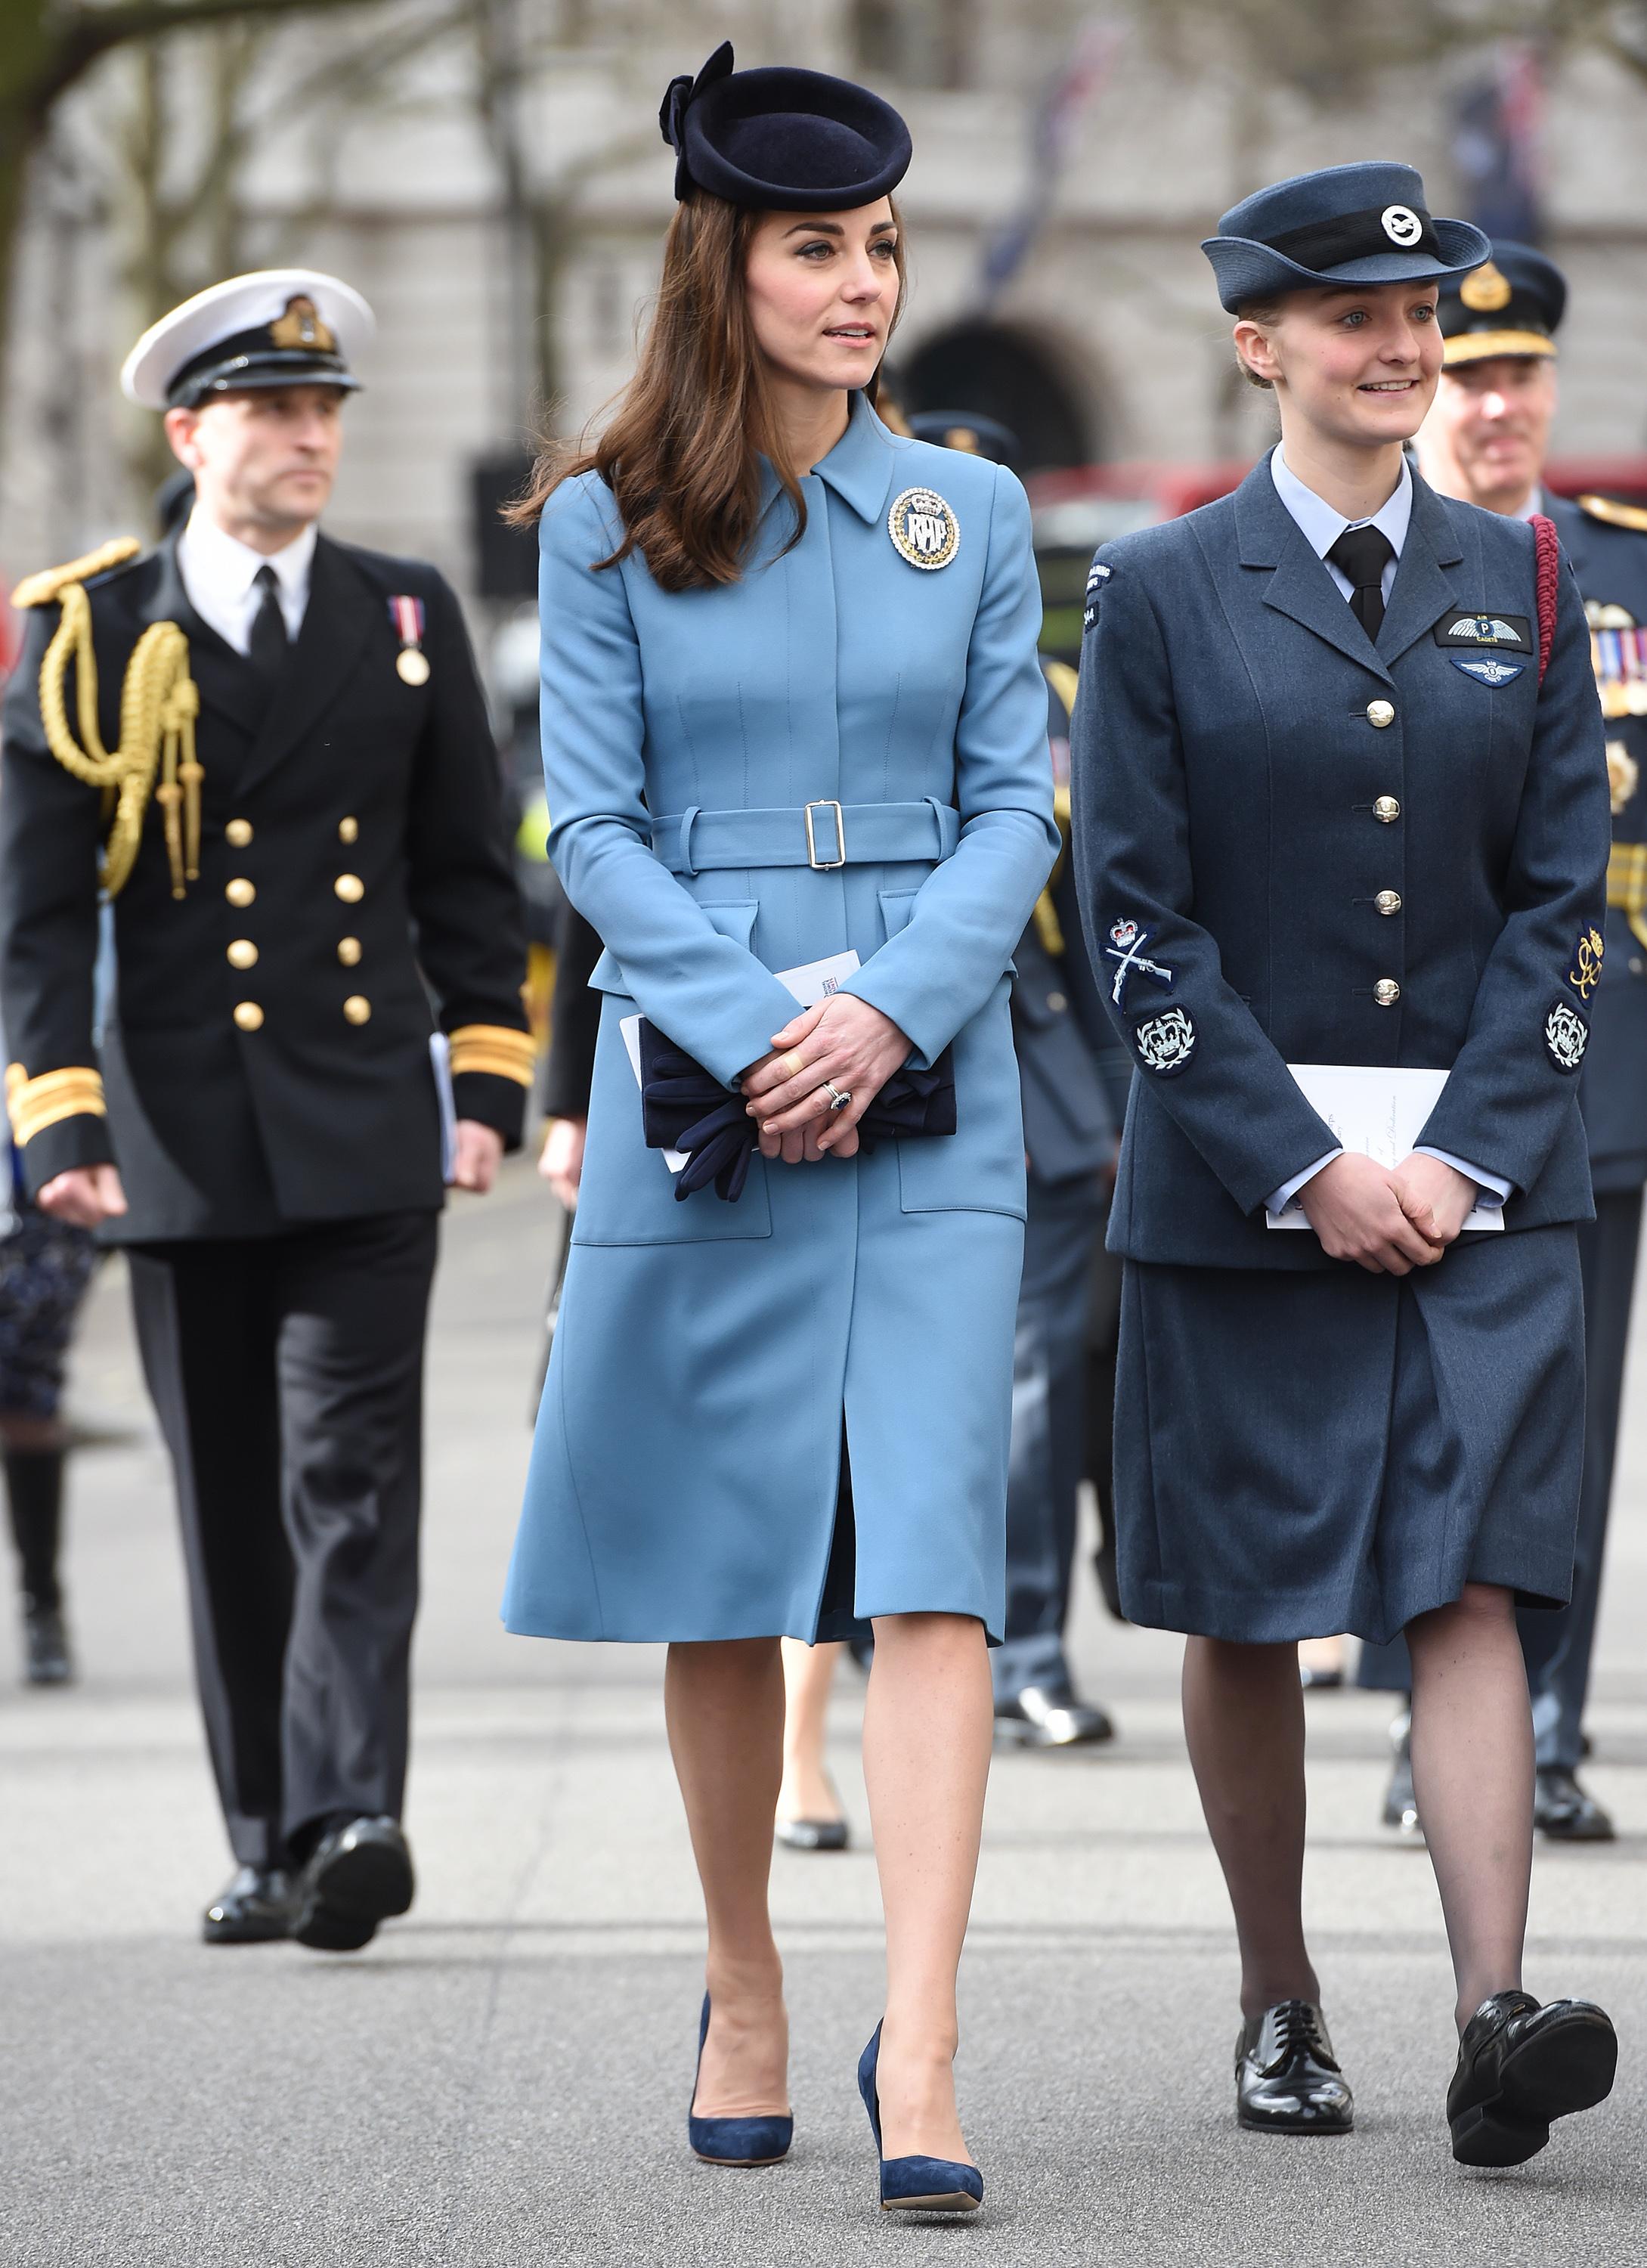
(1164, 1044)
(1566, 1036)
(1511, 633)
(1126, 941)
(1095, 582)
(1586, 973)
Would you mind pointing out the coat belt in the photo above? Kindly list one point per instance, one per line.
(822, 835)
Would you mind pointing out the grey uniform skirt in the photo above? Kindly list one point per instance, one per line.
(1301, 1454)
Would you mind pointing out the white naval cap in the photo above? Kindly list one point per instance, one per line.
(279, 326)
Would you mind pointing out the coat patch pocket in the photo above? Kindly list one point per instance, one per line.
(980, 1167)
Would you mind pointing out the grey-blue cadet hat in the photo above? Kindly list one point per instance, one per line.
(1364, 223)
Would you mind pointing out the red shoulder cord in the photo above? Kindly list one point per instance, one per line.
(1547, 554)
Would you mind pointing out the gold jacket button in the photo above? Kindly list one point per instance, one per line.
(349, 831)
(1381, 713)
(357, 1008)
(249, 1016)
(239, 831)
(1387, 810)
(241, 891)
(1386, 991)
(349, 951)
(243, 954)
(350, 888)
(1388, 902)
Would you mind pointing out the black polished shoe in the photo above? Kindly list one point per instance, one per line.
(1567, 1813)
(1051, 1717)
(47, 1660)
(1286, 2079)
(256, 1908)
(357, 1875)
(1519, 2067)
(814, 1834)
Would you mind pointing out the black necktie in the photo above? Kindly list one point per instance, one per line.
(270, 645)
(1361, 555)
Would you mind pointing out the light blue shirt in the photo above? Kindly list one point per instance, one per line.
(1321, 526)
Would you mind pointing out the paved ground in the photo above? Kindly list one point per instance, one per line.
(503, 2078)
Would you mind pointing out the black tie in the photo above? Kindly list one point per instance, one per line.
(270, 645)
(1361, 555)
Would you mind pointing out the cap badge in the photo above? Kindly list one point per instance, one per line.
(1402, 226)
(411, 664)
(1485, 290)
(924, 528)
(301, 326)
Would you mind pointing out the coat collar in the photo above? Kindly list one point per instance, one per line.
(859, 468)
(1269, 537)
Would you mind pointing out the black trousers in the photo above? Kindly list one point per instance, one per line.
(287, 1375)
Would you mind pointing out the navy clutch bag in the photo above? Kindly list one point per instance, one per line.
(682, 1108)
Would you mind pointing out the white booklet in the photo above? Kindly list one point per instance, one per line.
(813, 982)
(1380, 1111)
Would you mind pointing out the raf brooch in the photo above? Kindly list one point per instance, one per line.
(924, 529)
(411, 664)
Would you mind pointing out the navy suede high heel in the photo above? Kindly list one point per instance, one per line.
(916, 2185)
(734, 2141)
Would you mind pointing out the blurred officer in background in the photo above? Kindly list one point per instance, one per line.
(272, 752)
(1485, 441)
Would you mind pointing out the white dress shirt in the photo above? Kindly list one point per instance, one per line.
(1321, 526)
(220, 574)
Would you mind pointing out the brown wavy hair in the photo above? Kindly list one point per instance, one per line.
(680, 450)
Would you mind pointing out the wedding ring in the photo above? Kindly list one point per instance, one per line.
(840, 1098)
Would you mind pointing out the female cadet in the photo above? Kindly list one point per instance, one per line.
(792, 714)
(1340, 799)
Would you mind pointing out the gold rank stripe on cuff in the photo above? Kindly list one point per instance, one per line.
(494, 1047)
(34, 1104)
(1626, 885)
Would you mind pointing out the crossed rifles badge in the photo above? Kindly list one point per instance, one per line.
(1126, 941)
(924, 529)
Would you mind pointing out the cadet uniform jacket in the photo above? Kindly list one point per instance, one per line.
(265, 1047)
(1609, 557)
(1295, 846)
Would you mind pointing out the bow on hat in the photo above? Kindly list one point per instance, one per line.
(678, 97)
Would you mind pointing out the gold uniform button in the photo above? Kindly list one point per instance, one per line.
(239, 831)
(243, 954)
(1387, 810)
(350, 888)
(349, 951)
(1388, 902)
(1386, 991)
(249, 1016)
(349, 831)
(357, 1008)
(1381, 713)
(241, 891)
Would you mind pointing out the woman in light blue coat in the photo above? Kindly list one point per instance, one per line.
(792, 714)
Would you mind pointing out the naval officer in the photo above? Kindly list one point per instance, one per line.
(268, 752)
(1485, 440)
(1340, 799)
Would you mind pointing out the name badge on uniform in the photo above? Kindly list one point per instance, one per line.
(1511, 633)
(924, 529)
(411, 664)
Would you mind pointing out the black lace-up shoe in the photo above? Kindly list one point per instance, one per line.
(1287, 2081)
(1567, 1813)
(1519, 2067)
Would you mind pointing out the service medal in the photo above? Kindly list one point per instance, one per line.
(411, 664)
(924, 529)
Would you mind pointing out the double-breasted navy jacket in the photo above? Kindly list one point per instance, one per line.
(1609, 557)
(1294, 846)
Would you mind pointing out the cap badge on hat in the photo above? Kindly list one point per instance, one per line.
(925, 531)
(301, 326)
(1402, 225)
(1486, 291)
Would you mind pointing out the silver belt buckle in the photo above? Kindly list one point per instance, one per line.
(825, 865)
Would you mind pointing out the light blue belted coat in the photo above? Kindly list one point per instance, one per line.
(709, 1357)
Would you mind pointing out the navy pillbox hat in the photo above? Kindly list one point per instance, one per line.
(795, 141)
(1366, 223)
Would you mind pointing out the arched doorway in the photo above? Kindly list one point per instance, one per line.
(995, 372)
